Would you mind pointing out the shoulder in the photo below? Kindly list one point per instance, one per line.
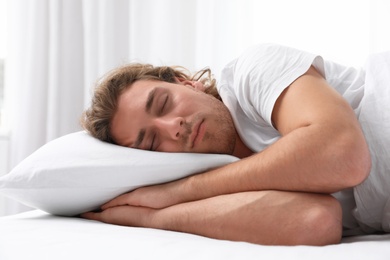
(271, 54)
(261, 73)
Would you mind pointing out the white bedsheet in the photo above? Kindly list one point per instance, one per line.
(36, 235)
(373, 195)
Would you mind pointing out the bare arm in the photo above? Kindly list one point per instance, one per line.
(322, 148)
(261, 217)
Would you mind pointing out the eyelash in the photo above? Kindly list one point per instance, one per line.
(161, 111)
(151, 145)
(164, 104)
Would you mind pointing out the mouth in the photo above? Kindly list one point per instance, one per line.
(197, 133)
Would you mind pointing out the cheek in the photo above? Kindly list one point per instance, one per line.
(184, 107)
(169, 147)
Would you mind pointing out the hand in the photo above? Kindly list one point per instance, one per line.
(123, 215)
(157, 196)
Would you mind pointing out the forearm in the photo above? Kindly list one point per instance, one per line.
(291, 164)
(265, 217)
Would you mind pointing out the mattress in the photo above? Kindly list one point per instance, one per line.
(36, 235)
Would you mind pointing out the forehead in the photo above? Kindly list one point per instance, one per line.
(133, 98)
(138, 88)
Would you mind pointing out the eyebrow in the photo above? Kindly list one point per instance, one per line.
(148, 107)
(140, 138)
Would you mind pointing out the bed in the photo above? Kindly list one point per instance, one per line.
(77, 173)
(39, 235)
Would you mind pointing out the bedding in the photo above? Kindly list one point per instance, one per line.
(36, 235)
(77, 173)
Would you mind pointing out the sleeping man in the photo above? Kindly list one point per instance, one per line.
(308, 171)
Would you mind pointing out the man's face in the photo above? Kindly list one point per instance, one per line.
(172, 117)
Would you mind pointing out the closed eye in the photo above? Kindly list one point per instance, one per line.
(163, 106)
(153, 142)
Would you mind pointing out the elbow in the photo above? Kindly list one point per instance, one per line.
(322, 224)
(363, 169)
(356, 160)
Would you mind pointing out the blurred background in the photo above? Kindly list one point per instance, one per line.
(53, 51)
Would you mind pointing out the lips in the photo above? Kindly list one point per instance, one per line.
(197, 133)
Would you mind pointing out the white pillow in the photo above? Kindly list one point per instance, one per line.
(78, 173)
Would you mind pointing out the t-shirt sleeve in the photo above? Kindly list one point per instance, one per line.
(262, 73)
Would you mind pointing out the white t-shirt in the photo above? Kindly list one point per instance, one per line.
(250, 85)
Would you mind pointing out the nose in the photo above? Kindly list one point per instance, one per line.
(170, 127)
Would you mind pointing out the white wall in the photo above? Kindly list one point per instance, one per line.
(3, 164)
(3, 133)
(3, 25)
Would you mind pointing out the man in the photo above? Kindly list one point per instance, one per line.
(296, 132)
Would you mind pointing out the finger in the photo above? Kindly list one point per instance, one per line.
(123, 215)
(91, 216)
(118, 201)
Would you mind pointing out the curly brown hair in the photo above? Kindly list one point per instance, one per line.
(97, 118)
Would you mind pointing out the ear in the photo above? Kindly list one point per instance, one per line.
(183, 81)
(195, 84)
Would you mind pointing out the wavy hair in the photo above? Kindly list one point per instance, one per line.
(97, 118)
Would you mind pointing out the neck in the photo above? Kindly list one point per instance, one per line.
(241, 150)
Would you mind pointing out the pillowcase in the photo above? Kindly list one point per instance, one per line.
(77, 173)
